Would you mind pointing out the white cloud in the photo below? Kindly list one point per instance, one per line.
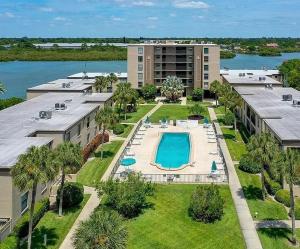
(46, 9)
(60, 18)
(184, 4)
(143, 3)
(152, 18)
(117, 19)
(151, 26)
(198, 17)
(8, 15)
(172, 15)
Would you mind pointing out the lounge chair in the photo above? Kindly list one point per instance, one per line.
(212, 140)
(211, 137)
(136, 142)
(129, 153)
(138, 137)
(213, 153)
(142, 128)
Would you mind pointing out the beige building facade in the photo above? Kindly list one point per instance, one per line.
(197, 65)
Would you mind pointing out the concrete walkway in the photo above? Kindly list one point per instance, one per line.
(89, 207)
(245, 218)
(276, 224)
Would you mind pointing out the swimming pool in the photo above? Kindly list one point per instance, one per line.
(173, 151)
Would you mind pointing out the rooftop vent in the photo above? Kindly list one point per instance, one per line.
(45, 114)
(296, 102)
(287, 97)
(261, 78)
(66, 85)
(269, 86)
(242, 74)
(60, 106)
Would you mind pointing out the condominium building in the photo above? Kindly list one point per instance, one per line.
(48, 119)
(197, 65)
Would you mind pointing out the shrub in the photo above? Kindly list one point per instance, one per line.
(247, 165)
(149, 91)
(206, 204)
(93, 145)
(283, 196)
(189, 98)
(196, 109)
(228, 118)
(271, 185)
(10, 242)
(72, 196)
(197, 94)
(41, 207)
(118, 129)
(128, 197)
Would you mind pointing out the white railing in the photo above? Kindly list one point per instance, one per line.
(5, 228)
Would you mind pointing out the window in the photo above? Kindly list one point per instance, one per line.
(157, 81)
(140, 84)
(140, 76)
(78, 130)
(140, 67)
(67, 136)
(88, 122)
(140, 50)
(157, 57)
(140, 58)
(206, 67)
(88, 138)
(205, 58)
(190, 81)
(24, 202)
(205, 50)
(206, 84)
(206, 76)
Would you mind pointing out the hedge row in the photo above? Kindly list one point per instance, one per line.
(247, 165)
(272, 186)
(10, 242)
(93, 145)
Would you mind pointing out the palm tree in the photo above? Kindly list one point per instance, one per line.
(100, 83)
(68, 158)
(32, 168)
(225, 95)
(104, 118)
(2, 88)
(215, 87)
(172, 88)
(104, 229)
(112, 79)
(292, 173)
(123, 96)
(235, 102)
(261, 149)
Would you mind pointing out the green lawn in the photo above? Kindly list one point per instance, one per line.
(236, 148)
(127, 130)
(92, 171)
(55, 227)
(266, 210)
(219, 110)
(136, 116)
(173, 112)
(276, 238)
(167, 225)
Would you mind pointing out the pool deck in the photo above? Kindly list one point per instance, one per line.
(201, 150)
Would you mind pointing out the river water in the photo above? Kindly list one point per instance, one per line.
(20, 75)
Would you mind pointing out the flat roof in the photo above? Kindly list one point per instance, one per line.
(57, 85)
(251, 80)
(79, 44)
(173, 44)
(281, 116)
(237, 72)
(92, 75)
(21, 122)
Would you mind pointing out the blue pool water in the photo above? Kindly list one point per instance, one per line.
(128, 161)
(173, 150)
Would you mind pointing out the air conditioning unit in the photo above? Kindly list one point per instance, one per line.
(287, 97)
(261, 78)
(296, 102)
(45, 114)
(242, 74)
(68, 85)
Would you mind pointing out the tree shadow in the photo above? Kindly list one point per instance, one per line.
(228, 136)
(106, 154)
(252, 193)
(276, 233)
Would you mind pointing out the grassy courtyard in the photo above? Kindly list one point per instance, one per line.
(56, 228)
(167, 224)
(92, 171)
(173, 112)
(134, 117)
(127, 130)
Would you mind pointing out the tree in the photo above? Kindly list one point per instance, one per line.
(2, 88)
(292, 174)
(104, 229)
(215, 88)
(225, 95)
(32, 168)
(112, 79)
(123, 96)
(196, 109)
(291, 71)
(172, 88)
(261, 149)
(104, 118)
(68, 158)
(149, 91)
(197, 94)
(100, 83)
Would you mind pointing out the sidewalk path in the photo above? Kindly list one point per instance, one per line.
(92, 203)
(245, 218)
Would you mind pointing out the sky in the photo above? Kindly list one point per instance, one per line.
(150, 18)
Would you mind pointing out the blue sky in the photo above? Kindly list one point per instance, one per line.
(150, 18)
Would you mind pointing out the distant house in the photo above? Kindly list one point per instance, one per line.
(272, 45)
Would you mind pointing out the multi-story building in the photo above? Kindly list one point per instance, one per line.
(197, 65)
(48, 119)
